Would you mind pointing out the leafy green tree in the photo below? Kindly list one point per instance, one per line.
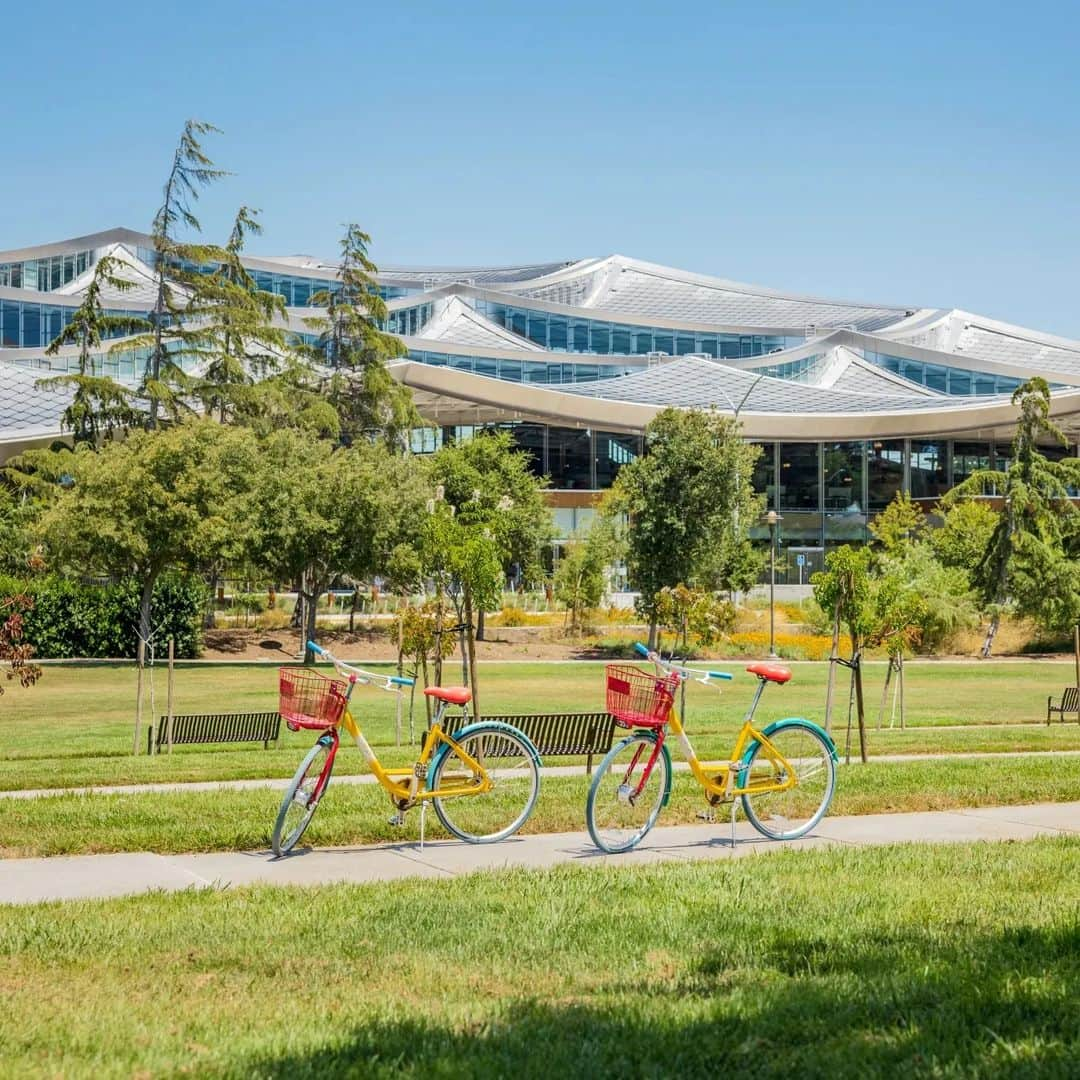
(693, 613)
(100, 405)
(1030, 564)
(370, 404)
(962, 540)
(321, 512)
(239, 344)
(901, 523)
(463, 550)
(689, 502)
(581, 576)
(170, 499)
(487, 472)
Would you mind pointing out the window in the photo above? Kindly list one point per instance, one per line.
(764, 478)
(570, 458)
(612, 453)
(884, 472)
(929, 469)
(800, 487)
(968, 457)
(844, 472)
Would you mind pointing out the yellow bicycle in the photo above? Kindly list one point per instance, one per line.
(784, 774)
(482, 782)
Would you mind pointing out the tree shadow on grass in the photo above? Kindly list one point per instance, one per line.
(911, 1004)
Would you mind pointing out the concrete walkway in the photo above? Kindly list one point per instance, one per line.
(24, 881)
(280, 783)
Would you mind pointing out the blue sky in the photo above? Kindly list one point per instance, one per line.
(923, 153)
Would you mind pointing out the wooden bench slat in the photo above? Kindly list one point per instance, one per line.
(1070, 703)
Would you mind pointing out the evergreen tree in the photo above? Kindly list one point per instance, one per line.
(100, 405)
(1029, 565)
(351, 343)
(181, 289)
(239, 344)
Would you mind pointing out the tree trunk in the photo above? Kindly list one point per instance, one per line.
(480, 625)
(438, 642)
(145, 602)
(652, 633)
(400, 644)
(470, 647)
(352, 618)
(900, 683)
(991, 633)
(859, 706)
(834, 653)
(885, 693)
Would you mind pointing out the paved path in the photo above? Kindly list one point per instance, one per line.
(25, 881)
(548, 770)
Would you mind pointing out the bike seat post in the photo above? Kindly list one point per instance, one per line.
(757, 697)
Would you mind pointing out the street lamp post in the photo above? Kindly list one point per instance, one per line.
(773, 519)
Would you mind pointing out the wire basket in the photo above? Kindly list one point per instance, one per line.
(307, 699)
(637, 698)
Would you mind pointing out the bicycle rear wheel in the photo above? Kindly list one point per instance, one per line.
(484, 817)
(302, 797)
(787, 815)
(623, 803)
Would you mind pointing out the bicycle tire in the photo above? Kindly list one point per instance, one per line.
(787, 815)
(617, 820)
(307, 780)
(515, 772)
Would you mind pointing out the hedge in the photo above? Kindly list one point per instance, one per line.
(70, 619)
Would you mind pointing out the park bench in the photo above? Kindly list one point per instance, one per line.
(216, 728)
(555, 734)
(1070, 703)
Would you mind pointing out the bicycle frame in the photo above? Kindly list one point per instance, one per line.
(722, 779)
(406, 785)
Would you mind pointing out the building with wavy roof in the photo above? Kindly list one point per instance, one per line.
(851, 401)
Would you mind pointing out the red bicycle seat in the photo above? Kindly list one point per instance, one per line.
(773, 672)
(456, 695)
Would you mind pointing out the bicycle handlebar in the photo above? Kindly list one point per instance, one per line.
(683, 672)
(359, 675)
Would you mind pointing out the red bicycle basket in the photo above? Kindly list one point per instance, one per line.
(307, 699)
(637, 698)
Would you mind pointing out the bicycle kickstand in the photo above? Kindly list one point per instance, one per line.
(423, 812)
(734, 804)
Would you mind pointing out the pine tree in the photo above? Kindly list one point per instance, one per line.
(239, 344)
(100, 405)
(351, 343)
(181, 288)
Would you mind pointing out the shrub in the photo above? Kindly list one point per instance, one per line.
(71, 619)
(512, 616)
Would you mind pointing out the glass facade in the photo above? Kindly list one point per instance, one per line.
(29, 324)
(565, 333)
(946, 380)
(884, 472)
(800, 476)
(46, 274)
(539, 372)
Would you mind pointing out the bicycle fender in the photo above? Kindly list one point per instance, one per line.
(651, 736)
(792, 721)
(481, 725)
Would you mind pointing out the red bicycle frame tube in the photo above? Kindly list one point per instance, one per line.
(660, 735)
(324, 776)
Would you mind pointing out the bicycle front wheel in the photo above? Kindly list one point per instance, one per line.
(624, 799)
(482, 817)
(789, 814)
(302, 797)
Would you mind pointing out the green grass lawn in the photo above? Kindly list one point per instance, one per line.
(921, 961)
(75, 726)
(354, 814)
